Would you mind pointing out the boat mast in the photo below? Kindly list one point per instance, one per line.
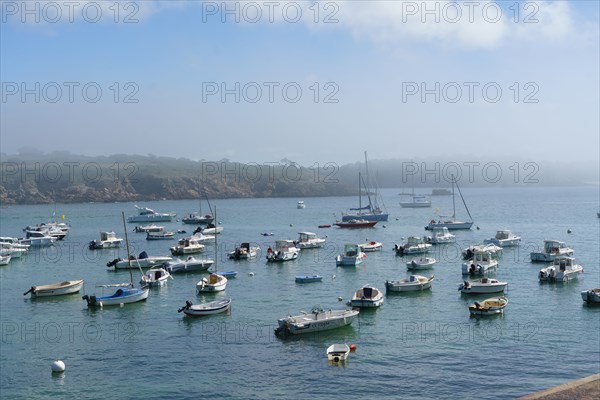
(216, 247)
(464, 203)
(359, 193)
(367, 184)
(453, 203)
(127, 245)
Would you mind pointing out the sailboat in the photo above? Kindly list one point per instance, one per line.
(450, 222)
(198, 218)
(372, 211)
(214, 282)
(126, 293)
(416, 200)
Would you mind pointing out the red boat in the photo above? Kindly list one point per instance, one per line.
(356, 223)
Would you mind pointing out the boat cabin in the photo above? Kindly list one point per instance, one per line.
(553, 246)
(564, 263)
(351, 250)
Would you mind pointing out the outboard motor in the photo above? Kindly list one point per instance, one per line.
(113, 262)
(91, 300)
(92, 245)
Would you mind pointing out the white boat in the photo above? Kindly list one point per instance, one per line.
(56, 289)
(243, 252)
(155, 277)
(38, 239)
(213, 307)
(494, 305)
(189, 245)
(552, 249)
(46, 230)
(413, 245)
(212, 283)
(450, 222)
(107, 240)
(338, 352)
(352, 256)
(440, 235)
(300, 205)
(162, 235)
(13, 242)
(367, 296)
(309, 240)
(562, 270)
(504, 238)
(481, 263)
(495, 251)
(285, 250)
(411, 284)
(308, 278)
(146, 214)
(210, 229)
(421, 263)
(315, 321)
(5, 259)
(189, 265)
(7, 249)
(149, 228)
(142, 261)
(416, 201)
(371, 246)
(197, 219)
(591, 296)
(483, 285)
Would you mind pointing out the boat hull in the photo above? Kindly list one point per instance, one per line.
(456, 225)
(130, 296)
(309, 279)
(408, 285)
(315, 322)
(213, 307)
(591, 296)
(143, 263)
(57, 289)
(189, 266)
(548, 257)
(367, 217)
(483, 289)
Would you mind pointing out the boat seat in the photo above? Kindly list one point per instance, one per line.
(213, 279)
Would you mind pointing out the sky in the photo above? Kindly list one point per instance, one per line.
(312, 82)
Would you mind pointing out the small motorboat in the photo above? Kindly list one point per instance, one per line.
(123, 295)
(149, 228)
(142, 261)
(421, 263)
(146, 214)
(229, 274)
(315, 321)
(213, 307)
(5, 259)
(163, 235)
(155, 277)
(563, 269)
(352, 256)
(56, 289)
(356, 224)
(410, 284)
(481, 263)
(243, 252)
(212, 283)
(371, 246)
(338, 352)
(494, 305)
(504, 238)
(189, 265)
(285, 250)
(308, 278)
(367, 296)
(189, 245)
(300, 205)
(107, 240)
(324, 226)
(413, 245)
(309, 240)
(591, 296)
(484, 285)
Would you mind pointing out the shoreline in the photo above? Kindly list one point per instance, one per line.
(582, 389)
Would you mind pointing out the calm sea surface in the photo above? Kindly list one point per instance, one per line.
(423, 345)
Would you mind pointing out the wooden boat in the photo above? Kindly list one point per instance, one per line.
(371, 246)
(55, 289)
(410, 284)
(308, 278)
(483, 285)
(213, 307)
(315, 321)
(367, 296)
(356, 223)
(421, 263)
(338, 352)
(591, 296)
(494, 305)
(155, 277)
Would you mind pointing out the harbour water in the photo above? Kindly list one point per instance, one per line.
(421, 345)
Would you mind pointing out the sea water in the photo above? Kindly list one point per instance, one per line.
(422, 344)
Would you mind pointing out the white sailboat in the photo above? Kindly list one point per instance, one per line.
(372, 211)
(213, 282)
(450, 222)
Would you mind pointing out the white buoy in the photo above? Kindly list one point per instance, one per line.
(250, 273)
(58, 366)
(340, 298)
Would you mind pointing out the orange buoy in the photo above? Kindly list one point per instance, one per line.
(352, 347)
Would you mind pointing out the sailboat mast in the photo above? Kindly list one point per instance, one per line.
(216, 247)
(127, 244)
(464, 203)
(453, 202)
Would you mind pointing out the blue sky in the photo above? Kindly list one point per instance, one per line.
(369, 59)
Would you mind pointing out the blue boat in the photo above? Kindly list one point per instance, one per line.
(229, 274)
(308, 278)
(370, 212)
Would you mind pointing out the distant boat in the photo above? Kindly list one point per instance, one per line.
(214, 282)
(315, 321)
(372, 211)
(197, 218)
(309, 240)
(164, 235)
(411, 284)
(367, 296)
(450, 222)
(190, 264)
(415, 200)
(300, 205)
(441, 192)
(149, 228)
(146, 214)
(308, 278)
(552, 249)
(504, 238)
(356, 223)
(491, 306)
(285, 250)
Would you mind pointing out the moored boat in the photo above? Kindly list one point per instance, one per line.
(371, 246)
(155, 277)
(440, 235)
(142, 261)
(451, 222)
(212, 283)
(483, 285)
(481, 263)
(355, 224)
(308, 278)
(562, 270)
(309, 240)
(552, 249)
(338, 352)
(421, 263)
(591, 296)
(494, 305)
(243, 252)
(315, 321)
(123, 295)
(190, 264)
(352, 256)
(213, 307)
(162, 235)
(285, 250)
(189, 245)
(413, 245)
(504, 238)
(146, 214)
(410, 284)
(56, 289)
(107, 240)
(367, 296)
